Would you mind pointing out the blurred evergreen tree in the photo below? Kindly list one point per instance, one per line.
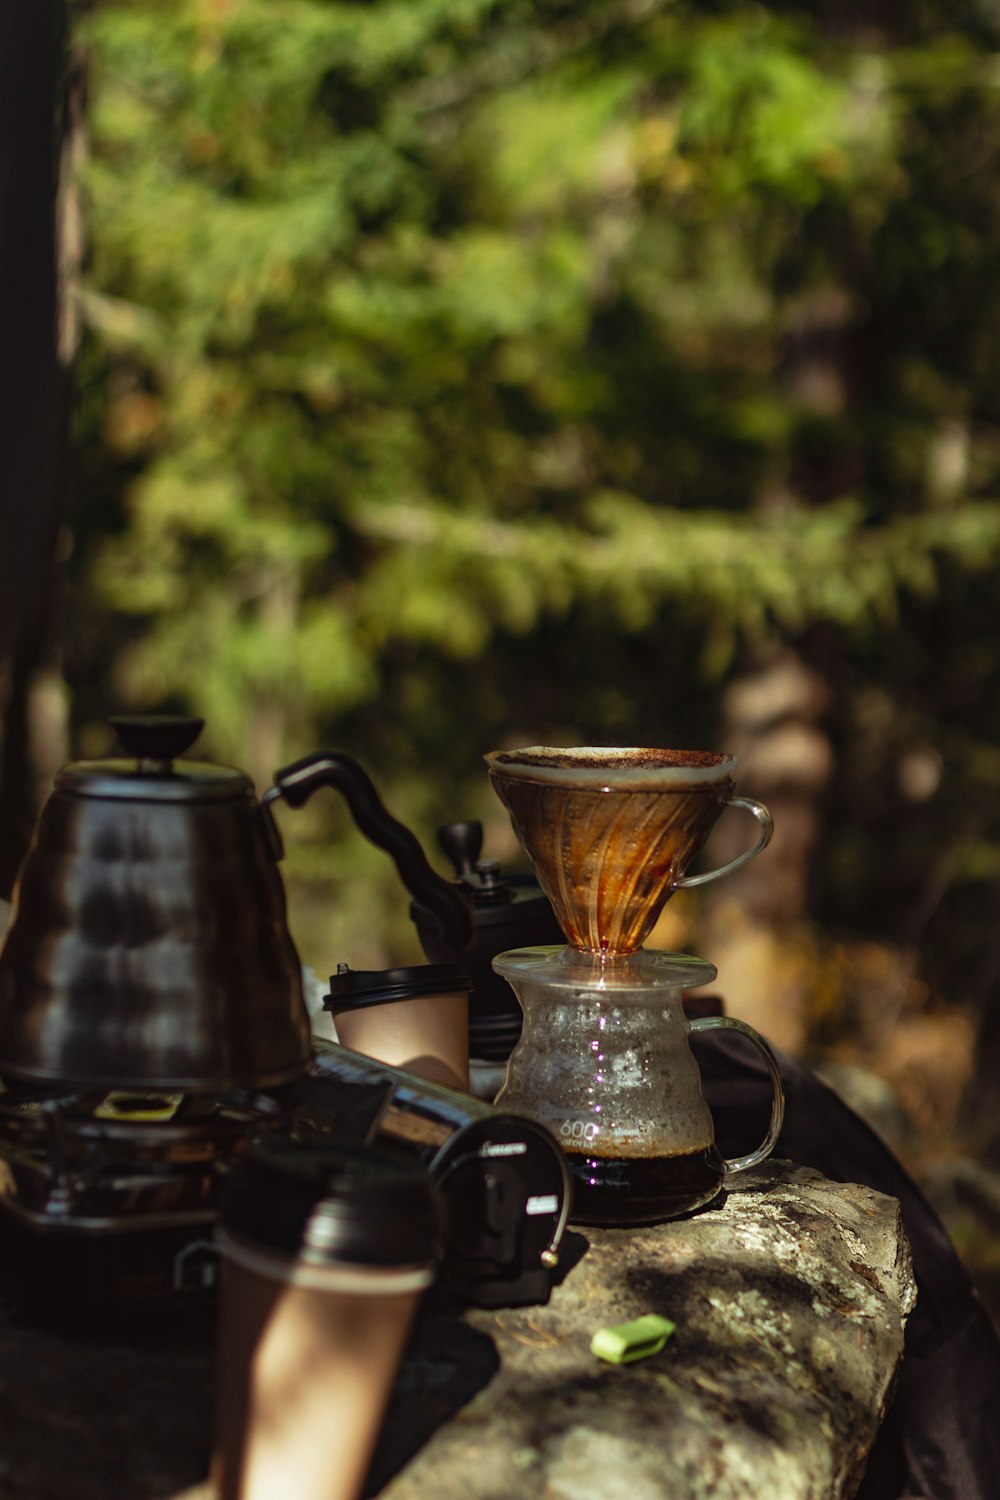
(464, 370)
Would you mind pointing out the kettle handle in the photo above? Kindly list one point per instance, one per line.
(296, 784)
(767, 1145)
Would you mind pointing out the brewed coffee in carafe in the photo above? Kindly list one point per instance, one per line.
(604, 1060)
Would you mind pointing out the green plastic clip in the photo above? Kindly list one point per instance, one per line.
(624, 1342)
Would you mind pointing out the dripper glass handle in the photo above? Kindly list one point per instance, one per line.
(766, 829)
(767, 1145)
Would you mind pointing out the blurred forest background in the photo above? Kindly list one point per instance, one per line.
(457, 373)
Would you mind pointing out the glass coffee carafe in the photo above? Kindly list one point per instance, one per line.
(603, 1060)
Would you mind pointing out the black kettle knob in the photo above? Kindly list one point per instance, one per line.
(156, 737)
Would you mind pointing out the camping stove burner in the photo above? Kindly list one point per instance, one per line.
(108, 1200)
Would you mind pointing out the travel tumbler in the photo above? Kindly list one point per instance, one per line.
(326, 1249)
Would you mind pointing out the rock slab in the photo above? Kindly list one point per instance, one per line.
(790, 1299)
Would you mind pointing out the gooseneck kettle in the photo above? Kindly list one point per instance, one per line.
(149, 946)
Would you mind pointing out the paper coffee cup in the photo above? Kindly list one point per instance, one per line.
(414, 1018)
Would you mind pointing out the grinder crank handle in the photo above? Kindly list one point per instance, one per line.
(296, 784)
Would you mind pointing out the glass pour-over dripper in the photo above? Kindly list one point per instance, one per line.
(604, 1060)
(611, 832)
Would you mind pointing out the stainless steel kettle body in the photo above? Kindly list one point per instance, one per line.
(149, 946)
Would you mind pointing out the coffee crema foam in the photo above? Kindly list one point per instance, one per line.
(612, 766)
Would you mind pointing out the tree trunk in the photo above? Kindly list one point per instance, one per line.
(775, 721)
(40, 117)
(775, 725)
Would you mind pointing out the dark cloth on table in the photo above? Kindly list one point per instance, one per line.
(941, 1436)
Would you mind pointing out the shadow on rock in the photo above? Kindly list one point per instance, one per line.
(445, 1365)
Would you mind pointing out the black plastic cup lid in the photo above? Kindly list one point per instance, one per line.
(333, 1203)
(352, 989)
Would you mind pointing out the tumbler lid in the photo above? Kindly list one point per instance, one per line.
(353, 989)
(333, 1202)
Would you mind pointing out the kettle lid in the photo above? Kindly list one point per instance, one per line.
(154, 773)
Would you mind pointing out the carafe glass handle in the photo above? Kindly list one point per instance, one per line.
(765, 830)
(742, 1163)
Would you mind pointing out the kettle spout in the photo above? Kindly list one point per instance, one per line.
(442, 898)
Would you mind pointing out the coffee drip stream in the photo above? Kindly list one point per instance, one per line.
(603, 1060)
